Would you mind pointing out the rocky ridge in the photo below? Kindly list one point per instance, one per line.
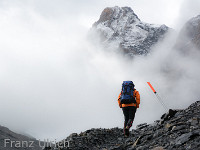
(122, 27)
(177, 129)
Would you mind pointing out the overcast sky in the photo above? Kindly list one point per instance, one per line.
(88, 11)
(53, 82)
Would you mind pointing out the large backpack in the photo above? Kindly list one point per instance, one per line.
(127, 93)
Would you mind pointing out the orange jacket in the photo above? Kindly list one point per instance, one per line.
(135, 95)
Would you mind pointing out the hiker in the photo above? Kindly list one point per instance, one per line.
(129, 100)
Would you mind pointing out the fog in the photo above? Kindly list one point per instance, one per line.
(54, 81)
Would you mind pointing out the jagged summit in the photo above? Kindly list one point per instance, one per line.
(110, 14)
(121, 26)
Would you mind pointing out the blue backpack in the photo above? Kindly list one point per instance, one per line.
(127, 93)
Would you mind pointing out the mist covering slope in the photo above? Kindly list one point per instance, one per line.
(5, 133)
(189, 37)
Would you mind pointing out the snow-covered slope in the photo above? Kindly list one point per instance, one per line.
(122, 27)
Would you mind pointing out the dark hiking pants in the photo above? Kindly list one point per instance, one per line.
(129, 115)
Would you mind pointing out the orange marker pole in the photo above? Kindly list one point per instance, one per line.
(151, 87)
(160, 100)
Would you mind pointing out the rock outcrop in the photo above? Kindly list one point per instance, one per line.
(178, 129)
(122, 27)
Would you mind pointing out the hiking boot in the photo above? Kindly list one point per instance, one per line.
(125, 136)
(126, 131)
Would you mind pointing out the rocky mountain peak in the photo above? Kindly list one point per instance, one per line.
(110, 14)
(122, 27)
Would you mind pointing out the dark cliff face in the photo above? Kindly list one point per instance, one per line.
(177, 129)
(122, 27)
(189, 37)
